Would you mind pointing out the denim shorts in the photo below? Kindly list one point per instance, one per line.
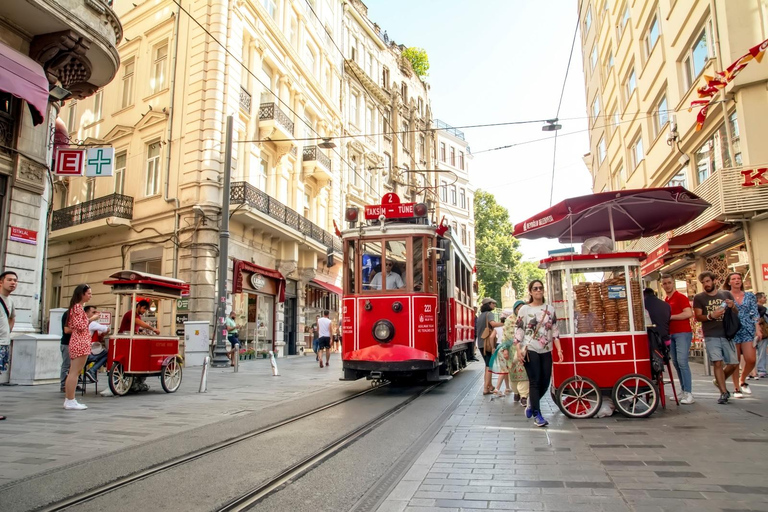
(5, 352)
(721, 349)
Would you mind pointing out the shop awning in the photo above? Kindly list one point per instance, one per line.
(327, 286)
(25, 79)
(694, 237)
(240, 265)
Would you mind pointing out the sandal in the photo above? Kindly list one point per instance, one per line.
(2, 418)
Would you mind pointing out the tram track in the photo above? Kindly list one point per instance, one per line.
(125, 481)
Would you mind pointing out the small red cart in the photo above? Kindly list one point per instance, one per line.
(134, 355)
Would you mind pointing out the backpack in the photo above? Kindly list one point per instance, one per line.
(731, 323)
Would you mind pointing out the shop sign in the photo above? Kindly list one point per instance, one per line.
(24, 236)
(765, 271)
(658, 252)
(617, 292)
(754, 177)
(258, 282)
(99, 161)
(647, 268)
(105, 318)
(182, 304)
(181, 318)
(69, 162)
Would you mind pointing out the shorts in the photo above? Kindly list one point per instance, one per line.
(486, 357)
(233, 339)
(323, 342)
(721, 349)
(5, 352)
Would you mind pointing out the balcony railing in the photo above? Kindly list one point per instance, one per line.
(245, 100)
(270, 111)
(242, 192)
(448, 128)
(115, 205)
(313, 153)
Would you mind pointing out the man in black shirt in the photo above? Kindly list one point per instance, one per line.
(659, 311)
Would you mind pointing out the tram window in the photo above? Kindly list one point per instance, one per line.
(418, 264)
(397, 255)
(371, 264)
(351, 267)
(430, 273)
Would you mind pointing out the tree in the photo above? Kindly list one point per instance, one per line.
(495, 248)
(419, 61)
(528, 271)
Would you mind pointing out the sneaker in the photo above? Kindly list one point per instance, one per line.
(528, 411)
(745, 389)
(524, 401)
(723, 398)
(539, 420)
(515, 397)
(92, 378)
(73, 405)
(762, 375)
(687, 399)
(738, 394)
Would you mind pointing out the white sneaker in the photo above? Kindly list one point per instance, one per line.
(745, 389)
(687, 399)
(74, 405)
(737, 394)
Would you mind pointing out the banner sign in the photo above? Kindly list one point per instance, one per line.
(24, 236)
(754, 177)
(69, 162)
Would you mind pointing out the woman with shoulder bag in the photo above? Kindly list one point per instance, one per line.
(484, 327)
(536, 331)
(762, 331)
(747, 336)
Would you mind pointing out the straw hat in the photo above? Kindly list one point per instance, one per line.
(487, 300)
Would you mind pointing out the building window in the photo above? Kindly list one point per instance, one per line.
(463, 235)
(422, 145)
(595, 108)
(159, 80)
(631, 83)
(371, 118)
(153, 169)
(55, 299)
(72, 117)
(353, 109)
(609, 61)
(623, 22)
(120, 160)
(660, 116)
(601, 150)
(712, 155)
(696, 57)
(90, 189)
(593, 60)
(97, 103)
(735, 139)
(261, 178)
(461, 160)
(385, 78)
(652, 36)
(129, 67)
(453, 195)
(421, 107)
(636, 149)
(404, 92)
(406, 135)
(587, 20)
(621, 178)
(388, 164)
(680, 179)
(616, 119)
(444, 191)
(354, 177)
(453, 156)
(271, 7)
(310, 60)
(463, 198)
(442, 151)
(148, 266)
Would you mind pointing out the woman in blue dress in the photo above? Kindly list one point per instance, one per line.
(745, 341)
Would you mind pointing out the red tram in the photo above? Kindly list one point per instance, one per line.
(407, 308)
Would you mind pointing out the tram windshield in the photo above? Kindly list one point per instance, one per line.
(389, 265)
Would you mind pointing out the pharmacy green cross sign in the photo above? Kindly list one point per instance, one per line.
(99, 161)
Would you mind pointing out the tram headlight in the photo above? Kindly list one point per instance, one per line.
(383, 331)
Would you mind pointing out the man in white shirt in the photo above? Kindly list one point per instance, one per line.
(98, 353)
(393, 279)
(324, 331)
(8, 282)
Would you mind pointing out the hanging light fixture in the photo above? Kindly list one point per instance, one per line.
(551, 126)
(326, 144)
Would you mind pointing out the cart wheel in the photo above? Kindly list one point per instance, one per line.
(635, 396)
(170, 378)
(578, 397)
(119, 382)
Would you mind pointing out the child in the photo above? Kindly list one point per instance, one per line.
(517, 374)
(500, 367)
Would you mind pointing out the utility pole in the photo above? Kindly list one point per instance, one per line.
(220, 358)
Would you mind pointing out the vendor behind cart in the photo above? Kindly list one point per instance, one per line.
(141, 307)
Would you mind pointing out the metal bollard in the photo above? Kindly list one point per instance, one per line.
(707, 367)
(236, 348)
(204, 375)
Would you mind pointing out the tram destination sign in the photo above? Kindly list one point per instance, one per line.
(390, 208)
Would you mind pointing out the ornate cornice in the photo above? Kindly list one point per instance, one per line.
(62, 55)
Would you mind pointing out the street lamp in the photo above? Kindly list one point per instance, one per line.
(551, 126)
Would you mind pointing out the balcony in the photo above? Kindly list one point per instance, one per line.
(91, 217)
(245, 101)
(316, 164)
(274, 123)
(281, 221)
(75, 40)
(729, 199)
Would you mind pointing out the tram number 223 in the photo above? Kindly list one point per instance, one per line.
(427, 308)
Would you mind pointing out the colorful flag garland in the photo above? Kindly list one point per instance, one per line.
(713, 84)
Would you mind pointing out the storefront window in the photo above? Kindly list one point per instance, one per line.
(600, 298)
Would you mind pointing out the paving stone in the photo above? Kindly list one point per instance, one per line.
(679, 474)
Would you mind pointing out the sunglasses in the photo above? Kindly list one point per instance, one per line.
(388, 264)
(537, 289)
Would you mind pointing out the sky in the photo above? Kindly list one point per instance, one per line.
(497, 61)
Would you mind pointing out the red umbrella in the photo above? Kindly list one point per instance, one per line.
(622, 215)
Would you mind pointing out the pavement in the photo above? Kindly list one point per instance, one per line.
(488, 456)
(39, 436)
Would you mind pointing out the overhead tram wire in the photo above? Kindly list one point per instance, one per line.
(276, 96)
(560, 104)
